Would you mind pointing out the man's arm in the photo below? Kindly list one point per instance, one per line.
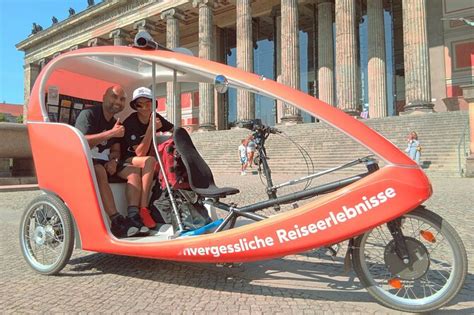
(114, 152)
(114, 156)
(84, 123)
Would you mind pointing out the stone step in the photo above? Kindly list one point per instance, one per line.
(439, 135)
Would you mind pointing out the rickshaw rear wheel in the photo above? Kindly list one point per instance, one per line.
(433, 276)
(47, 234)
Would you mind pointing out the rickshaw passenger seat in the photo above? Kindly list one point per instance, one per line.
(115, 179)
(200, 175)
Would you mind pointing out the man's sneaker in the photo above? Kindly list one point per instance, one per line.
(146, 218)
(122, 227)
(137, 222)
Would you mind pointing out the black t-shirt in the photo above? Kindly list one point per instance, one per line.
(135, 132)
(91, 121)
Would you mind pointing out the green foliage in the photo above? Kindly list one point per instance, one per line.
(2, 117)
(19, 119)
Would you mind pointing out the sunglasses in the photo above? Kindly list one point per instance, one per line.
(142, 104)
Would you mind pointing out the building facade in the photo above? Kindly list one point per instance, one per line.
(378, 57)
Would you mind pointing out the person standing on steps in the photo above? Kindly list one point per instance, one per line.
(251, 148)
(243, 156)
(413, 147)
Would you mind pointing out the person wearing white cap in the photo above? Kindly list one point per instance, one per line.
(136, 144)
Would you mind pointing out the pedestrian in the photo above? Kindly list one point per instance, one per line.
(243, 156)
(413, 147)
(251, 148)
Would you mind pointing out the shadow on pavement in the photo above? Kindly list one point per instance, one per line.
(277, 277)
(298, 276)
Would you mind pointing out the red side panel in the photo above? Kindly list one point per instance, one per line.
(370, 202)
(62, 168)
(77, 85)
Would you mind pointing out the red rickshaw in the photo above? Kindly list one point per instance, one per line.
(407, 257)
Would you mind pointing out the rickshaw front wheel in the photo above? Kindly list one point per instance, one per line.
(47, 234)
(434, 274)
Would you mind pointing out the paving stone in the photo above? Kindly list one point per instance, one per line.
(307, 283)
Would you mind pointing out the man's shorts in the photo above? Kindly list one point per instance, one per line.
(243, 160)
(120, 165)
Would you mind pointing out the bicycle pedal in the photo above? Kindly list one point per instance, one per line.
(333, 250)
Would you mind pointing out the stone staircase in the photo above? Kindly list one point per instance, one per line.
(439, 135)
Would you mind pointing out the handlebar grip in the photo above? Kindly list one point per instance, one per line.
(273, 130)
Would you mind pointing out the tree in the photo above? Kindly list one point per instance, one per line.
(19, 119)
(3, 117)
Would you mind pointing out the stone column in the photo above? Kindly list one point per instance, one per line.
(245, 99)
(416, 57)
(43, 62)
(468, 93)
(290, 55)
(276, 14)
(144, 25)
(206, 95)
(377, 80)
(399, 77)
(97, 41)
(173, 90)
(31, 71)
(219, 99)
(118, 38)
(325, 52)
(347, 65)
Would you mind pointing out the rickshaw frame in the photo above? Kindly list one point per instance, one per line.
(400, 173)
(350, 209)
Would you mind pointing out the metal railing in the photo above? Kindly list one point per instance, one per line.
(463, 150)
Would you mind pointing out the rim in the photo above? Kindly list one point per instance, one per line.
(42, 235)
(428, 286)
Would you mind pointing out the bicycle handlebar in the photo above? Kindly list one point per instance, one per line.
(257, 126)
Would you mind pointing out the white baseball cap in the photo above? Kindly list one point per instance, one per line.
(141, 92)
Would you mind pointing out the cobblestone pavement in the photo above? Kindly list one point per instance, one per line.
(300, 284)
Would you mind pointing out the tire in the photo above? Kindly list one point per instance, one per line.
(439, 273)
(47, 234)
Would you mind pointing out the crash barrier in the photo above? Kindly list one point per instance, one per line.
(15, 145)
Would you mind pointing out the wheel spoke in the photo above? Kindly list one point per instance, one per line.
(45, 239)
(422, 280)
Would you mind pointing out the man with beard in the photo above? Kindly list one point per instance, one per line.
(103, 132)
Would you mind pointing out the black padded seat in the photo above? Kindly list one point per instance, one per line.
(200, 175)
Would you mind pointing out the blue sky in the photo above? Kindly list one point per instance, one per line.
(16, 19)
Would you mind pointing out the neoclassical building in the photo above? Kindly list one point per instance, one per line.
(383, 57)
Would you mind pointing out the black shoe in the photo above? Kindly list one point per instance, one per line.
(136, 221)
(122, 227)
